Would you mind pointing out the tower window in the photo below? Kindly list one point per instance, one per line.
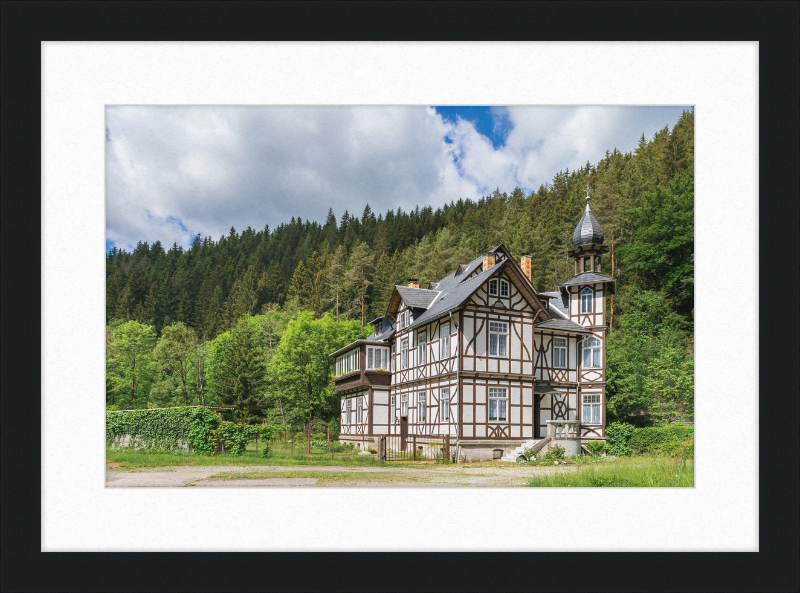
(591, 353)
(587, 296)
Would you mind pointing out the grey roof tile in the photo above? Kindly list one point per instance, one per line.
(587, 278)
(559, 302)
(417, 297)
(563, 325)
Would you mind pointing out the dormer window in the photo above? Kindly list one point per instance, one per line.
(587, 296)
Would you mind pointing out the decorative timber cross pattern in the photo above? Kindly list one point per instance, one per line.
(559, 406)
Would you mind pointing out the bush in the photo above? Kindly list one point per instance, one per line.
(203, 422)
(618, 435)
(265, 451)
(234, 437)
(596, 447)
(674, 440)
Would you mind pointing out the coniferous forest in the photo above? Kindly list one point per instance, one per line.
(247, 320)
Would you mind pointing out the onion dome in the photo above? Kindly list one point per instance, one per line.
(588, 230)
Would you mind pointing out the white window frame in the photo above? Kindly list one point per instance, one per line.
(376, 358)
(404, 404)
(444, 341)
(593, 352)
(348, 410)
(393, 409)
(391, 360)
(360, 409)
(422, 342)
(504, 287)
(408, 317)
(422, 415)
(587, 300)
(559, 352)
(493, 283)
(400, 320)
(444, 403)
(347, 362)
(404, 354)
(592, 412)
(499, 329)
(498, 395)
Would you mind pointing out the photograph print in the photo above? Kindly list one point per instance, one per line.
(399, 296)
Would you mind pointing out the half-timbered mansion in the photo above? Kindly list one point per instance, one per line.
(483, 357)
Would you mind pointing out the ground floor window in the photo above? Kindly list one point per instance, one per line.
(360, 410)
(404, 404)
(349, 409)
(393, 411)
(444, 402)
(498, 404)
(421, 407)
(592, 413)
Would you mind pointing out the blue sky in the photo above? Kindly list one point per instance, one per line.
(172, 172)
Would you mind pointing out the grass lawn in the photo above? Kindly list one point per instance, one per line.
(280, 454)
(644, 471)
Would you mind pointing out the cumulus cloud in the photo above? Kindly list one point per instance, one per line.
(172, 172)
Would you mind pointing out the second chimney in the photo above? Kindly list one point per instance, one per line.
(525, 264)
(413, 283)
(488, 261)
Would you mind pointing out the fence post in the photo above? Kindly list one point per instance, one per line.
(414, 445)
(447, 447)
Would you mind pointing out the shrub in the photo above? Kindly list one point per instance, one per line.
(674, 440)
(203, 422)
(234, 437)
(618, 435)
(265, 451)
(596, 447)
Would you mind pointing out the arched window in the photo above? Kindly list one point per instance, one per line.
(592, 349)
(587, 295)
(504, 288)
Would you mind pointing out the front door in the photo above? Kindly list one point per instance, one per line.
(403, 432)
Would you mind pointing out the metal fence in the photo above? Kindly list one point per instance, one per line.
(414, 447)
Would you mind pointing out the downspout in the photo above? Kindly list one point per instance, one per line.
(458, 385)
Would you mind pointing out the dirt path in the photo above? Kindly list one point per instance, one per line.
(475, 475)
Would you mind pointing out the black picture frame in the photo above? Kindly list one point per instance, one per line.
(773, 24)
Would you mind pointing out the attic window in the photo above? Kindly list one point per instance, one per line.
(503, 288)
(493, 287)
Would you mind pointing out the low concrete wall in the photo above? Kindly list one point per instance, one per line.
(125, 441)
(362, 443)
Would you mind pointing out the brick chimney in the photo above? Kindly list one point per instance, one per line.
(413, 283)
(488, 261)
(525, 264)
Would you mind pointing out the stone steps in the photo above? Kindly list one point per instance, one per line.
(529, 444)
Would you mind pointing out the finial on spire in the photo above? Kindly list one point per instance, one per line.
(587, 195)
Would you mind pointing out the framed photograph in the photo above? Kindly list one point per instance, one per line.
(91, 107)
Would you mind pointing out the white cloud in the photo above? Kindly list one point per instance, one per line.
(211, 168)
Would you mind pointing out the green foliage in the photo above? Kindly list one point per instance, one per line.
(597, 447)
(129, 361)
(618, 436)
(202, 424)
(233, 437)
(301, 367)
(669, 381)
(160, 430)
(667, 440)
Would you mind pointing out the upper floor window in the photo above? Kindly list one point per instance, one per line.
(587, 295)
(444, 341)
(592, 412)
(404, 404)
(498, 338)
(400, 320)
(504, 288)
(392, 362)
(444, 402)
(404, 355)
(493, 287)
(591, 353)
(408, 317)
(422, 337)
(421, 407)
(376, 358)
(498, 404)
(347, 363)
(560, 353)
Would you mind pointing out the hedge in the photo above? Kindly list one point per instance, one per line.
(171, 429)
(624, 439)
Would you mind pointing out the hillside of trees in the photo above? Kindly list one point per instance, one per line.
(251, 290)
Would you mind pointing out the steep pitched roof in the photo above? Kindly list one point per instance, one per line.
(588, 229)
(417, 297)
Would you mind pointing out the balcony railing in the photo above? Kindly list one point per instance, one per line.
(563, 429)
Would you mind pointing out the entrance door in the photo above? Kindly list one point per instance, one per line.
(403, 432)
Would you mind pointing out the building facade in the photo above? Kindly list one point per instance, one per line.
(483, 357)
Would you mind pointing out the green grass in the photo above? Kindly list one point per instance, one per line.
(644, 471)
(324, 477)
(280, 455)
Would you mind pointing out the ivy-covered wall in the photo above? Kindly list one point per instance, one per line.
(169, 429)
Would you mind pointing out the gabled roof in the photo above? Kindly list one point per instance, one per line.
(587, 278)
(558, 303)
(563, 325)
(417, 297)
